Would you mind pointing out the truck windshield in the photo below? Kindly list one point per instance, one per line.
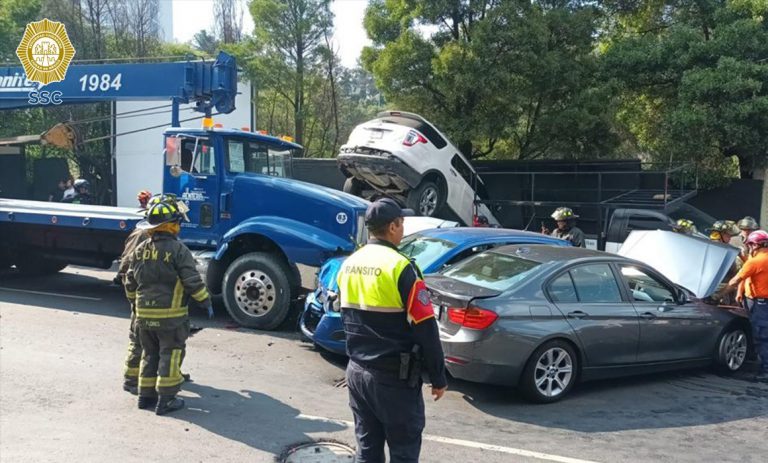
(193, 154)
(259, 158)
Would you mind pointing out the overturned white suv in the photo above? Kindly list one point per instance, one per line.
(403, 156)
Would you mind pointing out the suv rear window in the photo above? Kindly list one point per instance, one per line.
(492, 270)
(425, 129)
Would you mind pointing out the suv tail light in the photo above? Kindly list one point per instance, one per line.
(472, 317)
(413, 137)
(479, 220)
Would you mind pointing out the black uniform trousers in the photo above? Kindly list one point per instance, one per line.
(385, 410)
(160, 372)
(133, 358)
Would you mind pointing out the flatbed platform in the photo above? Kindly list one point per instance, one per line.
(69, 215)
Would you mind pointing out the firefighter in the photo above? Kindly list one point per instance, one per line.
(137, 236)
(566, 227)
(746, 225)
(755, 269)
(724, 231)
(143, 197)
(390, 331)
(160, 280)
(685, 226)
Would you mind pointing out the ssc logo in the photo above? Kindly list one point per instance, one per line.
(341, 218)
(45, 51)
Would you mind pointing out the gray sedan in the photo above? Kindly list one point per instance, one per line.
(541, 318)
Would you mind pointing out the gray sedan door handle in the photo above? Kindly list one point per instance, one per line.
(665, 308)
(648, 315)
(577, 314)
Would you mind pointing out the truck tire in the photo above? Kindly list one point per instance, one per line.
(257, 290)
(427, 199)
(353, 186)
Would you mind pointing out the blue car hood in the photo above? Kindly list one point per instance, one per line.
(326, 277)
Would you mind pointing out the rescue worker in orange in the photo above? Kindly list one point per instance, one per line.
(755, 272)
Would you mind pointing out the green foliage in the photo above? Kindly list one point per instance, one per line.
(700, 73)
(507, 75)
(14, 16)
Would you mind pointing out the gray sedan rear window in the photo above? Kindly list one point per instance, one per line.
(492, 270)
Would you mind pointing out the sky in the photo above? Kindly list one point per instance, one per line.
(191, 16)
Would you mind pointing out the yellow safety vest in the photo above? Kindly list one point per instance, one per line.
(368, 279)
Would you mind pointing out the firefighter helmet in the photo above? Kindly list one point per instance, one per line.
(564, 213)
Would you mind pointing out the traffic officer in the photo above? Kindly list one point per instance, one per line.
(566, 227)
(160, 280)
(755, 269)
(390, 329)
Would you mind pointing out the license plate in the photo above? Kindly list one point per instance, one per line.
(377, 134)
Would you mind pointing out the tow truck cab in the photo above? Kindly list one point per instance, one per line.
(250, 224)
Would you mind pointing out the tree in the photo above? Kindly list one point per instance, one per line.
(228, 20)
(14, 16)
(513, 77)
(699, 70)
(205, 42)
(289, 33)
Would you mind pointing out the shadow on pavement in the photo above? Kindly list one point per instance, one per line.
(666, 400)
(73, 291)
(249, 417)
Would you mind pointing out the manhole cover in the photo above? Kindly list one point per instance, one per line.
(320, 452)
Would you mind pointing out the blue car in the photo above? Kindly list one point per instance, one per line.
(432, 250)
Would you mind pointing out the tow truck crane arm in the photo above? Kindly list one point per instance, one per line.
(208, 84)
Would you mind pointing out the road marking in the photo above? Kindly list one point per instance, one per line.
(467, 443)
(50, 294)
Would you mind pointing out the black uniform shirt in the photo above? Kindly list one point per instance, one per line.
(378, 338)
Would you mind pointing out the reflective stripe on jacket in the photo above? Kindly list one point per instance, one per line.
(160, 280)
(368, 279)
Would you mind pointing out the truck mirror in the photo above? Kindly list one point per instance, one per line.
(175, 171)
(172, 151)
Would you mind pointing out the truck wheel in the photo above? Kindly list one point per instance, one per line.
(256, 290)
(426, 199)
(353, 186)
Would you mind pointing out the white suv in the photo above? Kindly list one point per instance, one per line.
(403, 156)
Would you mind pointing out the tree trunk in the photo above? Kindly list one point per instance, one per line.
(298, 118)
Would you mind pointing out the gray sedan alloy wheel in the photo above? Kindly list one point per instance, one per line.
(733, 350)
(550, 373)
(553, 372)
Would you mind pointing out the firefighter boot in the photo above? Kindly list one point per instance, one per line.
(146, 403)
(168, 404)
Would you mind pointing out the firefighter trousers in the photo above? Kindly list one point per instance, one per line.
(133, 359)
(160, 372)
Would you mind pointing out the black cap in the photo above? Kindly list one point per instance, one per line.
(384, 211)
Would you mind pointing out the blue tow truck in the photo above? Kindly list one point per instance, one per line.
(249, 225)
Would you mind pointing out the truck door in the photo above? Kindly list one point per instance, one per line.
(194, 177)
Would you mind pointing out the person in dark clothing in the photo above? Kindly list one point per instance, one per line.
(82, 193)
(390, 328)
(160, 280)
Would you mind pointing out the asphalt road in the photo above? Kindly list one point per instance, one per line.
(63, 339)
